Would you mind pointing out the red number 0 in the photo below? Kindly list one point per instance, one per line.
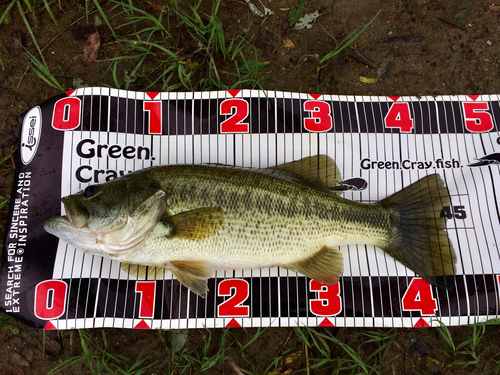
(147, 303)
(66, 114)
(399, 117)
(50, 299)
(418, 297)
(232, 306)
(154, 109)
(329, 302)
(233, 124)
(477, 120)
(321, 119)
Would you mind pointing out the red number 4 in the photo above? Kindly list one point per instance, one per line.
(418, 297)
(399, 117)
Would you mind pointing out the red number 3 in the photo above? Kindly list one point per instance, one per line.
(321, 119)
(328, 302)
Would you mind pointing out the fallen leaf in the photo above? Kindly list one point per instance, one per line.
(307, 21)
(288, 43)
(368, 80)
(17, 42)
(91, 48)
(494, 8)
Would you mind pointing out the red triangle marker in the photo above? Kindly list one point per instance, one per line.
(70, 92)
(421, 323)
(49, 326)
(142, 325)
(233, 93)
(315, 96)
(395, 98)
(473, 97)
(233, 324)
(152, 95)
(326, 323)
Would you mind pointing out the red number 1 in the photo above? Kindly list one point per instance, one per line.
(147, 300)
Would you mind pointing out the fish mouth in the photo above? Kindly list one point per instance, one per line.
(77, 214)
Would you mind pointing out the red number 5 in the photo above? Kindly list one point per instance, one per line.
(477, 120)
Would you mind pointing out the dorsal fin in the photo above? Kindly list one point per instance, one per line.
(318, 171)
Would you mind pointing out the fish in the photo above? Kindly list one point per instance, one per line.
(195, 219)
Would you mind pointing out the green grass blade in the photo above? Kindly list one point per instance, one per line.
(347, 41)
(21, 11)
(7, 10)
(49, 11)
(43, 72)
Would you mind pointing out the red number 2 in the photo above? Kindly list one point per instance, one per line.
(233, 124)
(232, 306)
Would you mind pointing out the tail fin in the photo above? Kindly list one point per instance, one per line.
(418, 239)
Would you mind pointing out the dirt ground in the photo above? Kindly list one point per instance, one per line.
(413, 47)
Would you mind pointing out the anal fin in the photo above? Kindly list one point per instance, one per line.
(325, 266)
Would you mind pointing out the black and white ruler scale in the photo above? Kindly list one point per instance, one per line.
(381, 144)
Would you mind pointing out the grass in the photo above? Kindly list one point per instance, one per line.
(183, 46)
(278, 351)
(180, 46)
(98, 359)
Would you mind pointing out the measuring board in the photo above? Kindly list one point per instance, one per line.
(380, 144)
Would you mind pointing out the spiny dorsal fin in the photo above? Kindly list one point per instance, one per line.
(196, 225)
(325, 266)
(318, 171)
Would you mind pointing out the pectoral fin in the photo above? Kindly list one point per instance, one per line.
(192, 274)
(196, 225)
(325, 266)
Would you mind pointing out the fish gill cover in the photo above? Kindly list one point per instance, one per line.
(380, 145)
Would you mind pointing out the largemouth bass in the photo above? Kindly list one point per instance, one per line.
(194, 219)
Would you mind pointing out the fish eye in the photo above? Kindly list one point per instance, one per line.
(90, 191)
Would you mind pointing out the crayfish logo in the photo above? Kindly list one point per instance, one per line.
(490, 159)
(351, 184)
